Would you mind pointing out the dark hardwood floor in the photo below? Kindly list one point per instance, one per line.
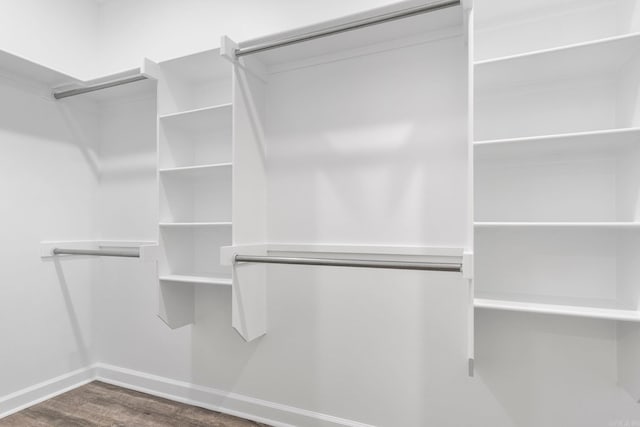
(100, 404)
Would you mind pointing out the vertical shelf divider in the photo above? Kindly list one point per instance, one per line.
(249, 207)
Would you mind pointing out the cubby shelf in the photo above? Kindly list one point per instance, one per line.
(556, 176)
(557, 309)
(600, 56)
(195, 170)
(193, 279)
(195, 224)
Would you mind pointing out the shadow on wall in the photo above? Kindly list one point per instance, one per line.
(74, 322)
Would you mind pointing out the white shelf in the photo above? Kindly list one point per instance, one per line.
(611, 136)
(610, 141)
(557, 309)
(201, 280)
(200, 119)
(195, 133)
(606, 225)
(195, 224)
(196, 195)
(195, 170)
(597, 57)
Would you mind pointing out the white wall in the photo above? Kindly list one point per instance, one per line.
(127, 331)
(163, 29)
(60, 34)
(532, 371)
(48, 182)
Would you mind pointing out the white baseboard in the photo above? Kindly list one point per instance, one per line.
(37, 393)
(259, 410)
(274, 414)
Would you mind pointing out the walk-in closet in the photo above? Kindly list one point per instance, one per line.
(363, 213)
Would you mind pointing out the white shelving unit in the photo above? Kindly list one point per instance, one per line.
(194, 175)
(557, 163)
(195, 170)
(564, 62)
(494, 302)
(315, 175)
(583, 225)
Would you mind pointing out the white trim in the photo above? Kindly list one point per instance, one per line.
(218, 400)
(272, 413)
(45, 390)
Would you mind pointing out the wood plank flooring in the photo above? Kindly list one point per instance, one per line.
(100, 404)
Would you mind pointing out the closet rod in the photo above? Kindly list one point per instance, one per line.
(363, 263)
(100, 86)
(349, 26)
(128, 253)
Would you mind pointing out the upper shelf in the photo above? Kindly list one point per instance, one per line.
(591, 58)
(198, 170)
(198, 280)
(200, 119)
(29, 71)
(391, 31)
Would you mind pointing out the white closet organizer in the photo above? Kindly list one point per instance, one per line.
(557, 163)
(352, 146)
(194, 174)
(93, 95)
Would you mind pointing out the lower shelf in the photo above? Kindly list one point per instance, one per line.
(202, 280)
(195, 224)
(487, 302)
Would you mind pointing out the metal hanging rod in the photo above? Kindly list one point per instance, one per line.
(362, 263)
(99, 86)
(349, 26)
(127, 253)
